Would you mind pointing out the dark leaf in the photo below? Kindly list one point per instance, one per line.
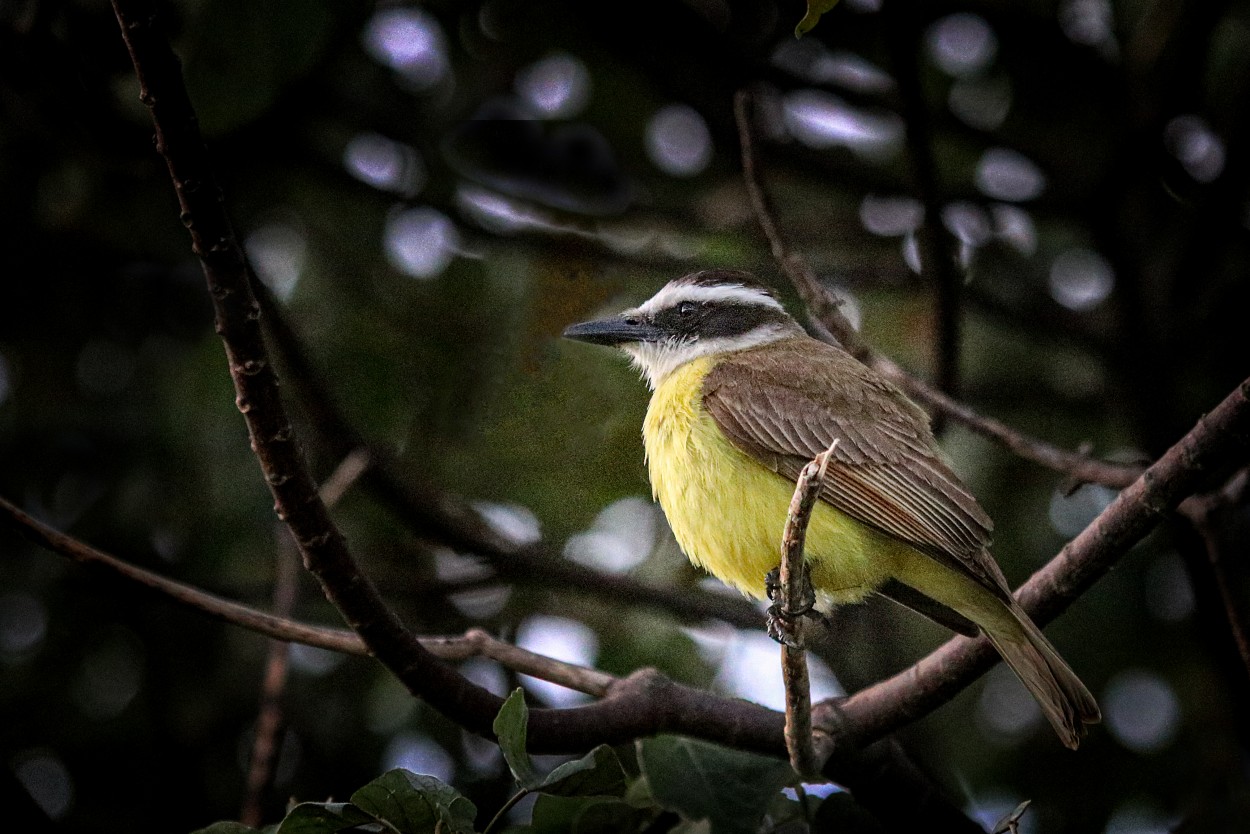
(510, 729)
(729, 788)
(598, 773)
(415, 804)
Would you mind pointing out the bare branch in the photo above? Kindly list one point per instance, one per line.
(824, 309)
(1218, 443)
(269, 718)
(1213, 516)
(473, 644)
(797, 599)
(434, 514)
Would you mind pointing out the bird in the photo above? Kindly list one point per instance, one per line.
(742, 398)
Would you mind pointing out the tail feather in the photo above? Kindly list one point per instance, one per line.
(1064, 700)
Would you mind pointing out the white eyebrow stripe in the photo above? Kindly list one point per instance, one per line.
(673, 294)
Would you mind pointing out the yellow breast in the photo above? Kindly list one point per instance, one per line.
(727, 511)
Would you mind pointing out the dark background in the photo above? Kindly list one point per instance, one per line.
(1091, 171)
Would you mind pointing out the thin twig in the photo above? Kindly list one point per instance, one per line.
(1213, 516)
(796, 601)
(269, 719)
(474, 643)
(824, 309)
(433, 514)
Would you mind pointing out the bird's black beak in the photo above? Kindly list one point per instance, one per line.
(617, 330)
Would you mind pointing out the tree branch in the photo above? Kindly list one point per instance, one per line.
(1218, 443)
(797, 598)
(824, 309)
(237, 320)
(431, 513)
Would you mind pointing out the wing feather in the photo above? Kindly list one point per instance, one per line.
(786, 402)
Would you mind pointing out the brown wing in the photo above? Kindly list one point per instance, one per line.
(785, 403)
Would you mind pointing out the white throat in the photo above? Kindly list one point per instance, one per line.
(657, 360)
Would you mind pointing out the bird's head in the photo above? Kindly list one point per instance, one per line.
(701, 314)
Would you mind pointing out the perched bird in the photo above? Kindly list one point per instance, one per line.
(743, 398)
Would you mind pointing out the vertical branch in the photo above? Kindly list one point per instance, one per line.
(822, 305)
(797, 599)
(270, 717)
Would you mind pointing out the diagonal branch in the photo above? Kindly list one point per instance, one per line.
(430, 513)
(1219, 443)
(237, 320)
(824, 309)
(474, 643)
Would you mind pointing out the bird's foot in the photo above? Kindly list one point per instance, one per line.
(787, 625)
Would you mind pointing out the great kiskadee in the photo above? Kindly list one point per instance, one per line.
(743, 398)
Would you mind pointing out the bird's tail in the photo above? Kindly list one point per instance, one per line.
(1064, 700)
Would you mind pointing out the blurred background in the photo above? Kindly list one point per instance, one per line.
(431, 192)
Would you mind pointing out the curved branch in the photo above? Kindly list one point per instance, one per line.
(473, 643)
(1218, 444)
(824, 309)
(430, 513)
(237, 321)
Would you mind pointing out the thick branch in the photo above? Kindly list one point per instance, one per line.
(450, 520)
(237, 316)
(1219, 443)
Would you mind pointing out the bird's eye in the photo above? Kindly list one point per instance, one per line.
(686, 309)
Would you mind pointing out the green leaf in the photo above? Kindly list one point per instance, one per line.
(416, 804)
(598, 773)
(227, 827)
(585, 815)
(322, 818)
(815, 8)
(510, 729)
(699, 780)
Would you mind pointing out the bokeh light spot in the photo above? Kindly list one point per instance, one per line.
(1070, 514)
(562, 639)
(514, 522)
(1141, 710)
(815, 63)
(961, 44)
(110, 677)
(278, 252)
(822, 120)
(410, 42)
(621, 537)
(745, 653)
(47, 780)
(312, 660)
(1010, 176)
(1015, 226)
(1190, 139)
(384, 163)
(557, 86)
(421, 242)
(678, 141)
(1006, 709)
(1139, 816)
(23, 624)
(1080, 279)
(1087, 22)
(419, 754)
